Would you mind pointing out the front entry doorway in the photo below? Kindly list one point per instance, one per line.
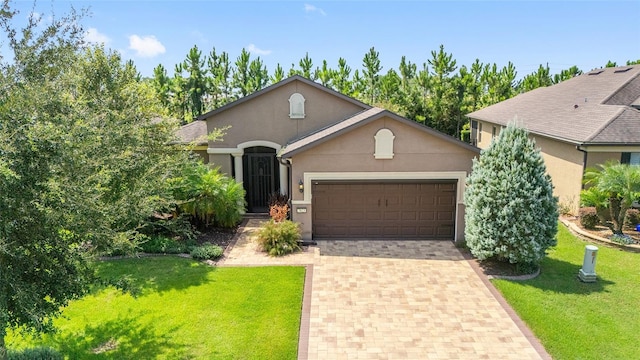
(262, 175)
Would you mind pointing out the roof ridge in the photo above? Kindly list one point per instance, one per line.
(292, 140)
(278, 85)
(607, 123)
(620, 88)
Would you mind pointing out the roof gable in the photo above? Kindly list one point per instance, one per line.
(312, 140)
(277, 86)
(576, 110)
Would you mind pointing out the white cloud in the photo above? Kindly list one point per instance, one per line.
(308, 8)
(198, 36)
(255, 50)
(146, 46)
(94, 36)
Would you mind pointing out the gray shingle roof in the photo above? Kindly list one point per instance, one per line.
(593, 108)
(194, 131)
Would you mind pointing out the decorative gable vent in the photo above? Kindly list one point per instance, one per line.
(384, 144)
(296, 106)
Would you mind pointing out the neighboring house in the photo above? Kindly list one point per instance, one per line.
(578, 123)
(351, 170)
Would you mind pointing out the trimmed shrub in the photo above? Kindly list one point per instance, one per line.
(207, 252)
(633, 218)
(511, 213)
(279, 238)
(38, 353)
(589, 217)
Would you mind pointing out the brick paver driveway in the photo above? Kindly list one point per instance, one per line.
(394, 300)
(406, 300)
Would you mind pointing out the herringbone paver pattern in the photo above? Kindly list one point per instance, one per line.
(423, 303)
(395, 300)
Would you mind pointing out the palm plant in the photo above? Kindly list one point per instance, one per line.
(622, 184)
(209, 196)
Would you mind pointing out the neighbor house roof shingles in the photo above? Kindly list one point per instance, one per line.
(593, 108)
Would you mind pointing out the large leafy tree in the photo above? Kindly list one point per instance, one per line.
(511, 213)
(621, 184)
(82, 165)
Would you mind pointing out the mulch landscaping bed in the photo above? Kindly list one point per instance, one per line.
(605, 232)
(217, 236)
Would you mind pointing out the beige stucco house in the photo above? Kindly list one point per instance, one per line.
(351, 170)
(577, 124)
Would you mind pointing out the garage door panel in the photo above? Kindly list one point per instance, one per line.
(384, 210)
(357, 215)
(427, 215)
(391, 215)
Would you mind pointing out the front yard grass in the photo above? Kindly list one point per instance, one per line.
(184, 310)
(576, 320)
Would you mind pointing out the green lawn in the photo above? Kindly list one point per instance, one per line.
(185, 310)
(574, 320)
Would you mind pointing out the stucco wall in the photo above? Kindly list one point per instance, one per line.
(598, 158)
(486, 133)
(266, 117)
(565, 165)
(223, 161)
(414, 151)
(563, 161)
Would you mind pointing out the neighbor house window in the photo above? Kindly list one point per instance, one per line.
(494, 132)
(479, 132)
(296, 106)
(474, 132)
(631, 158)
(384, 144)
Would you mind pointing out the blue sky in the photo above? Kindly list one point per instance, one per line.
(562, 34)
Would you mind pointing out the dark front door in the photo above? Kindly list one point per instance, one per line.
(261, 177)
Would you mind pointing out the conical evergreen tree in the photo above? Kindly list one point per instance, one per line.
(511, 213)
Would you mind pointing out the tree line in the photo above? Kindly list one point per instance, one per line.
(437, 93)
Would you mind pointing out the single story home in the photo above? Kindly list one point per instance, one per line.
(351, 170)
(578, 123)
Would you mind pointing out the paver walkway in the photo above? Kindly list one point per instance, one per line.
(396, 300)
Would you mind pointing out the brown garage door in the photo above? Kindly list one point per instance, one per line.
(384, 210)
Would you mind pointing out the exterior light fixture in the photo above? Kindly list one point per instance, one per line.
(301, 186)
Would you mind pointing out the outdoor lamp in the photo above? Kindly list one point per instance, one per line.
(300, 185)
